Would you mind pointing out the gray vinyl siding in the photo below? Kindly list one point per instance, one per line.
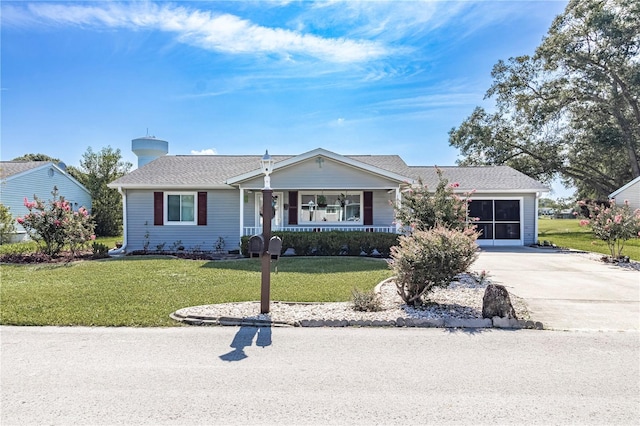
(222, 221)
(37, 181)
(250, 209)
(383, 212)
(530, 218)
(631, 194)
(332, 175)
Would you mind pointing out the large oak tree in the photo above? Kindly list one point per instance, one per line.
(571, 110)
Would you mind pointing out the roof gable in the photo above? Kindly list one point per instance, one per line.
(10, 170)
(355, 161)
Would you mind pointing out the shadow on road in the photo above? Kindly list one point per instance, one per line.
(243, 338)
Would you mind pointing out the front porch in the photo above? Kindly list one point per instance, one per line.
(254, 230)
(321, 210)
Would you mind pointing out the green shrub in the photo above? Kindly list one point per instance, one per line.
(431, 258)
(333, 243)
(100, 251)
(366, 301)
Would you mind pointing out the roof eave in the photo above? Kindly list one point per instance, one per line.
(166, 187)
(624, 187)
(505, 191)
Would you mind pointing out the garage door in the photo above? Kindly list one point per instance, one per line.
(499, 221)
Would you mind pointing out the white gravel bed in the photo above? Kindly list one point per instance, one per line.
(462, 299)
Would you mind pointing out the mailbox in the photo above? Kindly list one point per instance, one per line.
(275, 247)
(256, 246)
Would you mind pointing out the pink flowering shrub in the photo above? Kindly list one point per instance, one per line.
(613, 224)
(440, 241)
(432, 258)
(421, 209)
(54, 225)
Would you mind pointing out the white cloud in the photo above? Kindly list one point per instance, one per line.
(208, 151)
(208, 30)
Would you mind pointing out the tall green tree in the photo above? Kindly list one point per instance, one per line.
(570, 111)
(97, 169)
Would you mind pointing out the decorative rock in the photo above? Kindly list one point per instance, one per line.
(468, 323)
(400, 322)
(508, 323)
(336, 323)
(311, 323)
(382, 323)
(424, 322)
(496, 303)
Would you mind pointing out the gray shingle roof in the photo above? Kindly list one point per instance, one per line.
(207, 171)
(192, 170)
(12, 168)
(487, 178)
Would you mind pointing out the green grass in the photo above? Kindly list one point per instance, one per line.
(568, 233)
(144, 290)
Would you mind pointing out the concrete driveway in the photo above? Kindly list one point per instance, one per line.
(567, 290)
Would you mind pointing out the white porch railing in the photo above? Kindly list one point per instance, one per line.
(254, 230)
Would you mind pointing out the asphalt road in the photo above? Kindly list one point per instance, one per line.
(229, 375)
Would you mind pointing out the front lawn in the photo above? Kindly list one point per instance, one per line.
(568, 233)
(144, 290)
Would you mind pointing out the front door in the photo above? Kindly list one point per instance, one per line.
(277, 211)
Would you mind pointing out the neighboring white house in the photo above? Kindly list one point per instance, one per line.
(629, 192)
(197, 200)
(20, 179)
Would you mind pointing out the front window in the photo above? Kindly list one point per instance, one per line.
(181, 208)
(330, 207)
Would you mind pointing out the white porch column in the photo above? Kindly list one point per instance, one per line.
(241, 211)
(535, 218)
(398, 201)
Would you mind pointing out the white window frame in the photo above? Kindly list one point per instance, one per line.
(181, 222)
(358, 222)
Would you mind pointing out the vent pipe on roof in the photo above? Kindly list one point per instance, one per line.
(148, 148)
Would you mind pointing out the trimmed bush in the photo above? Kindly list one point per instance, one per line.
(431, 258)
(366, 301)
(333, 243)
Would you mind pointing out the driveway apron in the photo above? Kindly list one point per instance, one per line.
(567, 290)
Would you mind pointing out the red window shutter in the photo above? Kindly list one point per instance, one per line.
(158, 208)
(202, 208)
(367, 204)
(293, 207)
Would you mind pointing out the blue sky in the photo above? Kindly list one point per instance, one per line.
(239, 77)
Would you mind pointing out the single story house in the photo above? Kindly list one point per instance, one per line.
(199, 202)
(629, 192)
(20, 179)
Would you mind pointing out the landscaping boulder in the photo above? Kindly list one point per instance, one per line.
(496, 303)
